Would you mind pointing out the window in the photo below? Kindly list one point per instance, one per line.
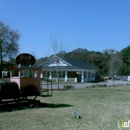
(26, 73)
(89, 74)
(93, 75)
(15, 73)
(84, 74)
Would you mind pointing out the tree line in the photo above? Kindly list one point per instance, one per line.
(109, 61)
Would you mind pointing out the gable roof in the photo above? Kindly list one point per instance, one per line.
(69, 64)
(54, 59)
(81, 64)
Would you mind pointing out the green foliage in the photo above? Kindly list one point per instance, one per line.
(104, 85)
(41, 60)
(109, 61)
(100, 60)
(5, 79)
(125, 53)
(9, 46)
(68, 87)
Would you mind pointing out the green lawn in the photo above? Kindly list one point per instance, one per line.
(100, 109)
(5, 79)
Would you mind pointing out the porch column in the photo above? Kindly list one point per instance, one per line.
(82, 76)
(50, 74)
(66, 76)
(41, 75)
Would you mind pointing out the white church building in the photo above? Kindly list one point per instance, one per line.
(69, 70)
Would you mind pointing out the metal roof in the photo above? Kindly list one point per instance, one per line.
(71, 64)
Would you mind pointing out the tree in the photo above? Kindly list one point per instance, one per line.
(41, 60)
(79, 54)
(125, 53)
(100, 60)
(115, 63)
(111, 62)
(9, 46)
(57, 49)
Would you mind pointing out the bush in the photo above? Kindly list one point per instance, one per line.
(104, 85)
(68, 87)
(98, 85)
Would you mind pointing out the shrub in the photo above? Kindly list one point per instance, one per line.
(127, 84)
(68, 87)
(104, 85)
(98, 85)
(94, 86)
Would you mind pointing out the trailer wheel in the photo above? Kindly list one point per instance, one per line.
(31, 92)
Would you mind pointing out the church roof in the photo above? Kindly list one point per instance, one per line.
(67, 64)
(81, 64)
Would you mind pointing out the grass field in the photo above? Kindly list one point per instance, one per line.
(99, 108)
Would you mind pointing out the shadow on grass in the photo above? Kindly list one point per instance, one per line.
(45, 95)
(48, 105)
(28, 106)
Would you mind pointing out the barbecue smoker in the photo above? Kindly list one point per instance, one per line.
(24, 80)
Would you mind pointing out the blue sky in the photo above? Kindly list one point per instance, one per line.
(91, 24)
